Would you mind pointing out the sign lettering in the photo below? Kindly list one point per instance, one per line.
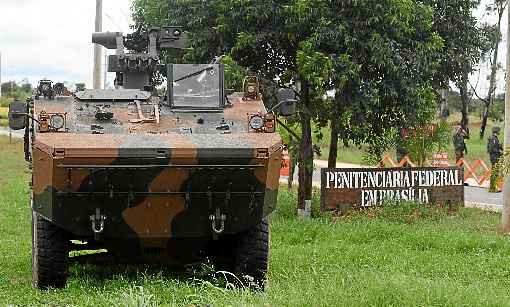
(365, 187)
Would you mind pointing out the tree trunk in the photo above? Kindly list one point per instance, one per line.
(305, 171)
(335, 130)
(333, 146)
(505, 216)
(292, 169)
(464, 123)
(492, 85)
(485, 117)
(443, 108)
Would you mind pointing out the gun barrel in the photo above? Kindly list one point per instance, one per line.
(106, 39)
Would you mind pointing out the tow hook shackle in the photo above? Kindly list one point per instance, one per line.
(97, 223)
(218, 221)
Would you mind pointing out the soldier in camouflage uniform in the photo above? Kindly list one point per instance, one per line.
(401, 150)
(459, 143)
(495, 150)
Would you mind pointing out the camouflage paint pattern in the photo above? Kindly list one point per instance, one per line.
(155, 184)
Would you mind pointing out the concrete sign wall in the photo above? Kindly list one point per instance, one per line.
(362, 187)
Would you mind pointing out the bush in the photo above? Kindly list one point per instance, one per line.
(3, 117)
(5, 102)
(423, 143)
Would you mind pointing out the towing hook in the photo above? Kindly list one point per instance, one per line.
(216, 218)
(97, 222)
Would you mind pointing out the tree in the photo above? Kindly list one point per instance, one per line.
(498, 6)
(464, 45)
(9, 88)
(264, 37)
(378, 56)
(385, 56)
(274, 40)
(26, 86)
(13, 90)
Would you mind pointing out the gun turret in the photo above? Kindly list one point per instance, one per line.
(134, 70)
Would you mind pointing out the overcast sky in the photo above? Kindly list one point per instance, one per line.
(51, 39)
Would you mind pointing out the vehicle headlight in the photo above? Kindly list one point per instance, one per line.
(256, 122)
(57, 121)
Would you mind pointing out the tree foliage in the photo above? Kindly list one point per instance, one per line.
(494, 38)
(13, 90)
(379, 58)
(465, 42)
(386, 54)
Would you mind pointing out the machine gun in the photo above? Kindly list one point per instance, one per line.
(134, 70)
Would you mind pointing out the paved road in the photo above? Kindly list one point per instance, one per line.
(15, 134)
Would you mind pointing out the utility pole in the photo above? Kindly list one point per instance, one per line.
(506, 181)
(105, 76)
(97, 48)
(0, 73)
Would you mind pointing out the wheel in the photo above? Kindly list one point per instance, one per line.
(50, 254)
(251, 255)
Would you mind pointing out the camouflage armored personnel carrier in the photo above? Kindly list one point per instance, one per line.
(183, 178)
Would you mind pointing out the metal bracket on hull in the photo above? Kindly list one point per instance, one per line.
(97, 220)
(216, 218)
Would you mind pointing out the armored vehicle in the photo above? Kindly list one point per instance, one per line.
(45, 89)
(187, 177)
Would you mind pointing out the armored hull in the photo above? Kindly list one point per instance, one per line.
(187, 175)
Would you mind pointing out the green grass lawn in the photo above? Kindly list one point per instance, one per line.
(377, 259)
(477, 148)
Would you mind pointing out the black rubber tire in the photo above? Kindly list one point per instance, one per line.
(50, 254)
(252, 255)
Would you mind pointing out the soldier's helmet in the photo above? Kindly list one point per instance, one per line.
(496, 130)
